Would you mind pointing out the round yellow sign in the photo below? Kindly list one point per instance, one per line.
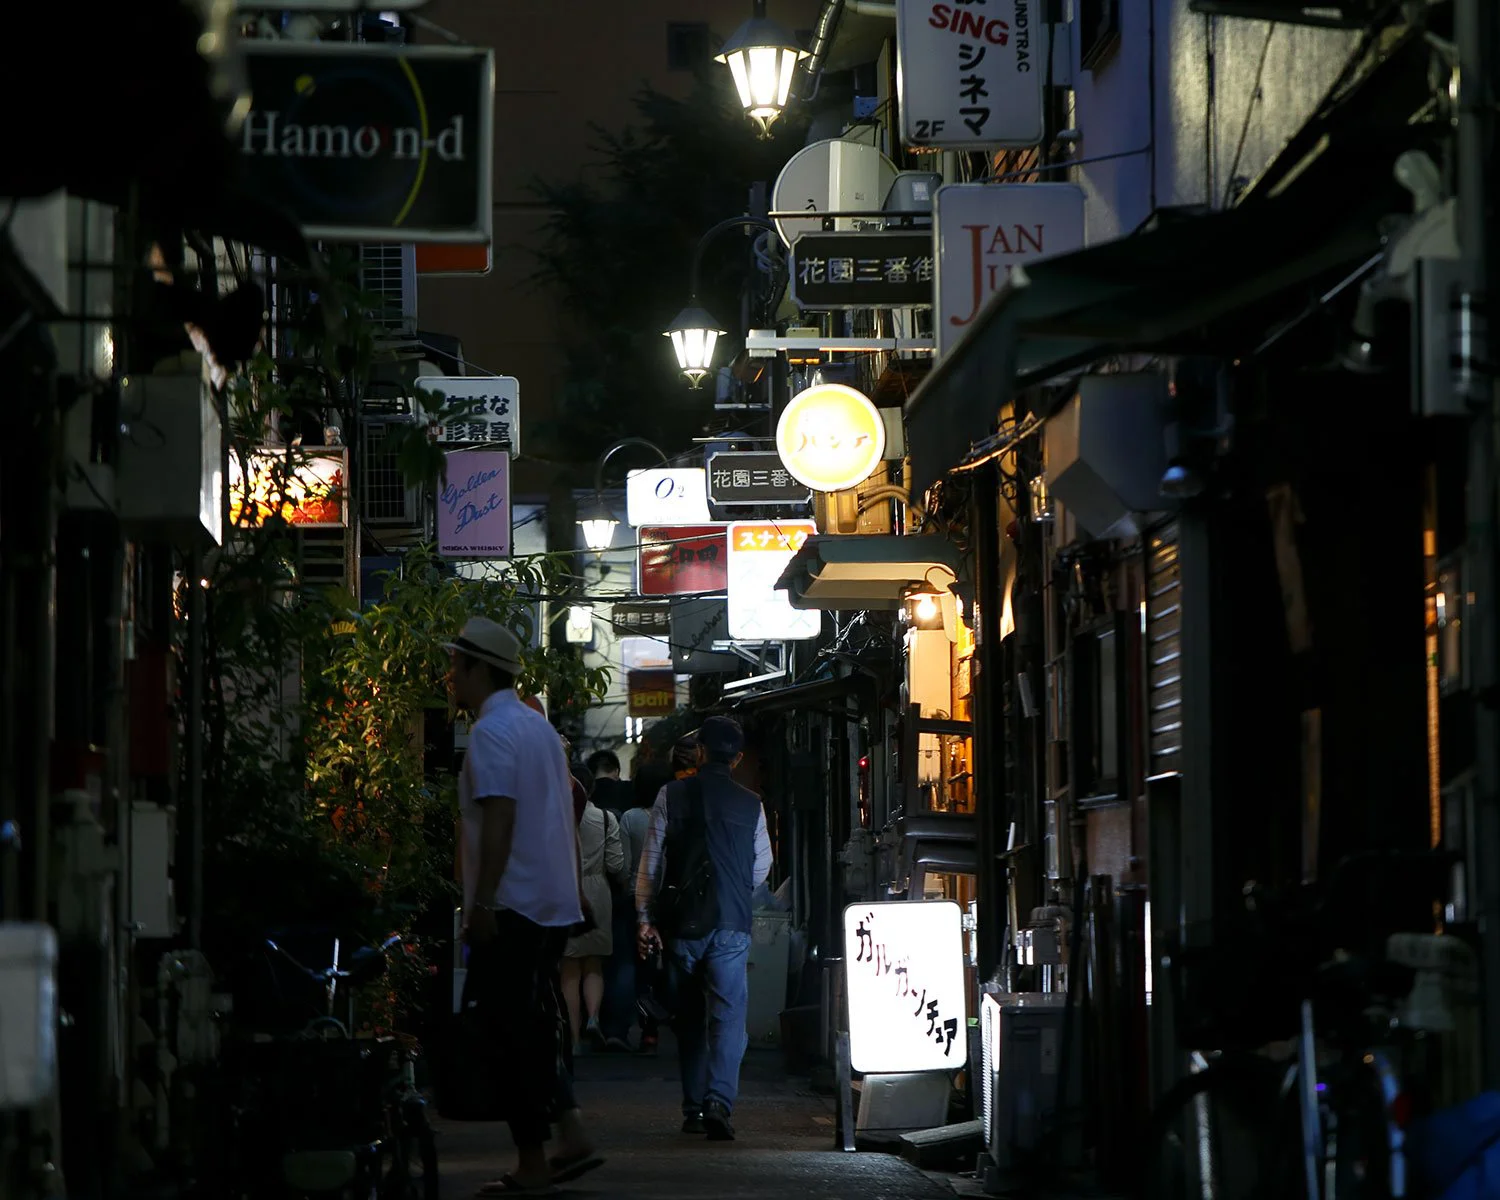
(830, 437)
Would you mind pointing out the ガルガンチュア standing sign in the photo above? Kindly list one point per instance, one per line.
(372, 143)
(904, 979)
(971, 72)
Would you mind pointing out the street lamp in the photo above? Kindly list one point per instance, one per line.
(598, 525)
(694, 334)
(597, 521)
(763, 58)
(693, 331)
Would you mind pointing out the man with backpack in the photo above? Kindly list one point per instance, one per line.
(706, 851)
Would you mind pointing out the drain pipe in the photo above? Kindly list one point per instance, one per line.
(822, 42)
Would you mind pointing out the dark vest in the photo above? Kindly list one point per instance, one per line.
(732, 815)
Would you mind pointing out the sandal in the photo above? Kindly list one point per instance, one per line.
(509, 1185)
(566, 1168)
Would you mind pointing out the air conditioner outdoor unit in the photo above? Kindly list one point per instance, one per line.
(388, 273)
(1021, 1060)
(385, 499)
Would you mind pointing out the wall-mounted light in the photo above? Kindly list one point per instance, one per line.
(924, 606)
(580, 625)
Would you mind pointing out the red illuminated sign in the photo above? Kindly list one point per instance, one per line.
(684, 560)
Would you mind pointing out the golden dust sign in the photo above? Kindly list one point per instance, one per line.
(830, 437)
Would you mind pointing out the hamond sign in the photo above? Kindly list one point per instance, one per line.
(373, 142)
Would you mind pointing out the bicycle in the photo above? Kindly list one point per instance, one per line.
(1308, 1098)
(344, 1112)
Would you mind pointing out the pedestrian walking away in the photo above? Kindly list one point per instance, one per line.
(603, 864)
(706, 851)
(522, 895)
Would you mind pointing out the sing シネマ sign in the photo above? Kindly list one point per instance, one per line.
(971, 73)
(904, 976)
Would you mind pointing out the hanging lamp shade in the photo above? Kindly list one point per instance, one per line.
(694, 335)
(598, 525)
(762, 56)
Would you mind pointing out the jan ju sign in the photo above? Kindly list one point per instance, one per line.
(372, 143)
(904, 975)
(970, 72)
(473, 512)
(983, 230)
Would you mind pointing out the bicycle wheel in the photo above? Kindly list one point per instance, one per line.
(412, 1166)
(1364, 1145)
(1222, 1131)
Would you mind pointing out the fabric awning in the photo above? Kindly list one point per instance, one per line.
(1187, 285)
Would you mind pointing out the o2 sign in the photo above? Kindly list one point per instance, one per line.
(667, 496)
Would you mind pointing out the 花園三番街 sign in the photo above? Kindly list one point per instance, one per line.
(904, 977)
(373, 143)
(830, 437)
(862, 270)
(752, 477)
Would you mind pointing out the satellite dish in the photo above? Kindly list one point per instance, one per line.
(837, 175)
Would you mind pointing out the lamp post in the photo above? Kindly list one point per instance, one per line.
(694, 332)
(763, 58)
(597, 521)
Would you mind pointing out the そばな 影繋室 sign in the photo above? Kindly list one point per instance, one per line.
(971, 72)
(473, 510)
(488, 409)
(904, 977)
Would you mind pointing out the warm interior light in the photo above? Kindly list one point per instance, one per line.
(598, 532)
(926, 607)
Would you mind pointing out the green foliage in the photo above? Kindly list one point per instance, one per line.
(620, 253)
(318, 805)
(370, 685)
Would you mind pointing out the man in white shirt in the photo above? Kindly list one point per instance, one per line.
(519, 860)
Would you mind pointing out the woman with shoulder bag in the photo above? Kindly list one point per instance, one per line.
(603, 863)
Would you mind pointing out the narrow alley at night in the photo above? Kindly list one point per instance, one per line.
(750, 599)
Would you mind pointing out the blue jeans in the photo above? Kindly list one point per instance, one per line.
(620, 985)
(712, 1007)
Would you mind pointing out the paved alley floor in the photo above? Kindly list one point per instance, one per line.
(782, 1151)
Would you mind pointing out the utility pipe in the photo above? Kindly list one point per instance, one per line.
(1471, 352)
